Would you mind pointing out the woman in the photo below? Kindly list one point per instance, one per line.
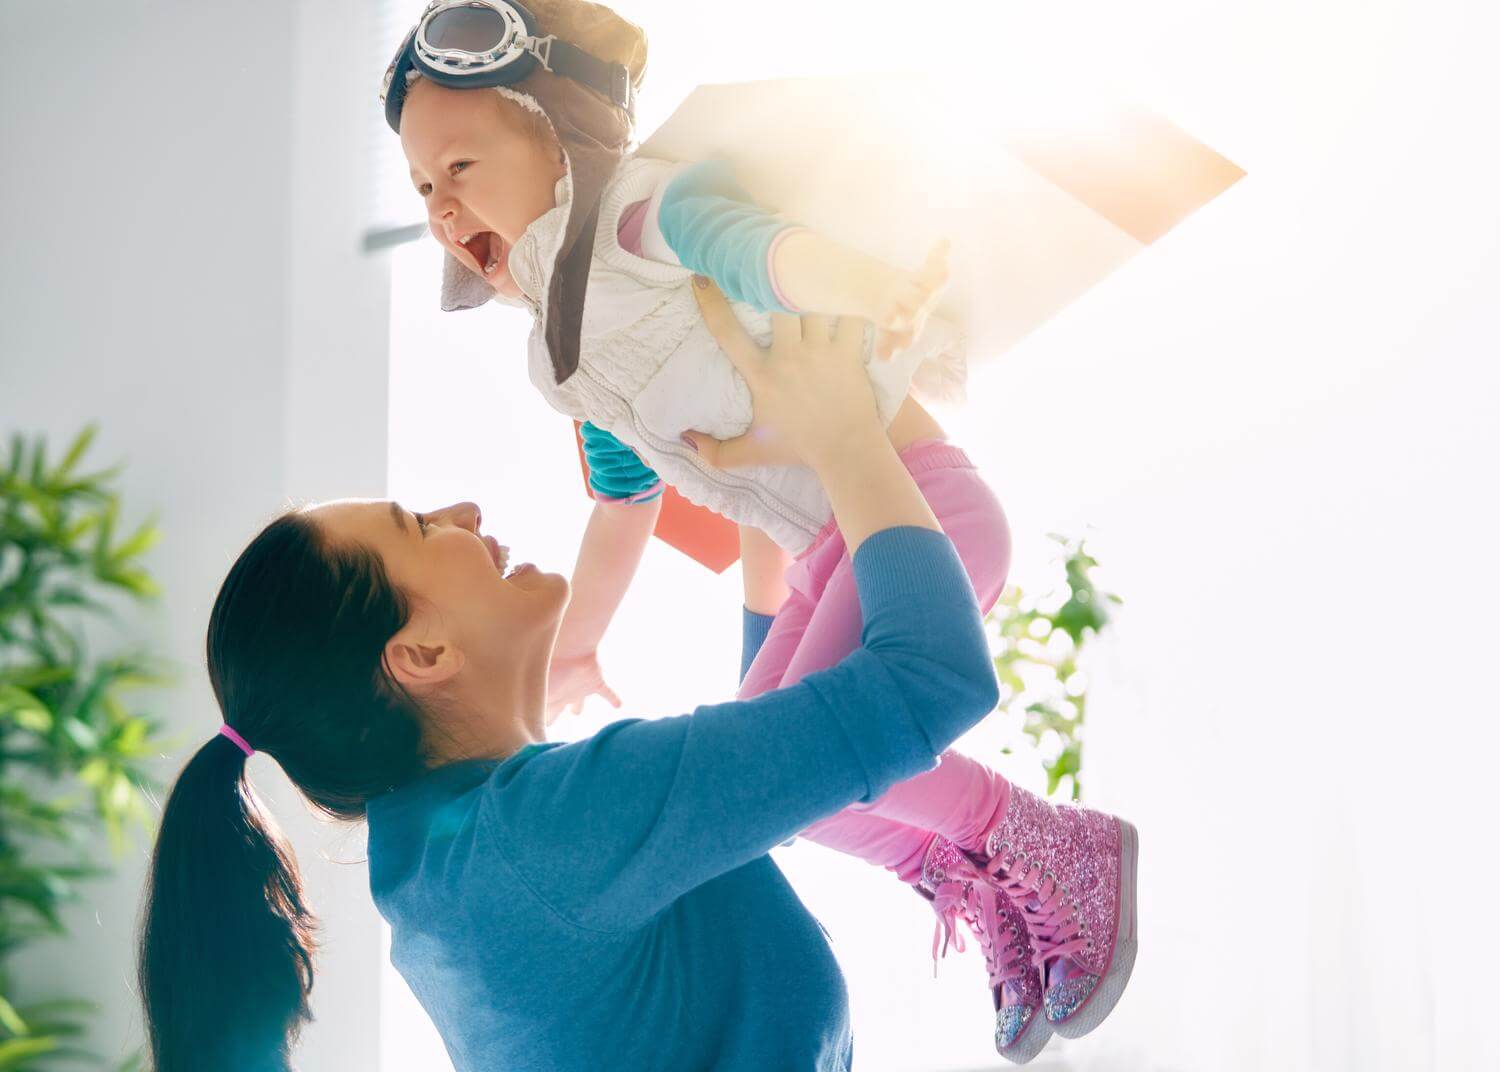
(607, 903)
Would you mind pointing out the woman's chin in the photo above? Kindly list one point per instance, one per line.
(551, 589)
(529, 578)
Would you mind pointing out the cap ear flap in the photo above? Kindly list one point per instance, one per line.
(462, 288)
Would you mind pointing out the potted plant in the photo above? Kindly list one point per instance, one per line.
(73, 753)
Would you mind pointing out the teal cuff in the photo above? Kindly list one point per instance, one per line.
(616, 473)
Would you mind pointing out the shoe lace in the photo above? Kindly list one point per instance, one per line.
(949, 901)
(962, 898)
(1052, 916)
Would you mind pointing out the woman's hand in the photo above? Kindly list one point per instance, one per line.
(571, 681)
(813, 401)
(811, 394)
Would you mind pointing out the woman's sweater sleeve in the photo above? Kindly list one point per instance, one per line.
(613, 829)
(710, 222)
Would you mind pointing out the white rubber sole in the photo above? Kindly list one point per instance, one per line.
(1102, 1001)
(1032, 1041)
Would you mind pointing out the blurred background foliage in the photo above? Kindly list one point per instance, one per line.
(73, 752)
(1040, 642)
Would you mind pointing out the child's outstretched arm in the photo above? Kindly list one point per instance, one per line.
(712, 226)
(626, 507)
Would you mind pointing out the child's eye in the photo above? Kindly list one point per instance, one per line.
(424, 188)
(422, 524)
(457, 166)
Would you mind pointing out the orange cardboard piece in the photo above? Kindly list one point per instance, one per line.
(706, 537)
(1137, 170)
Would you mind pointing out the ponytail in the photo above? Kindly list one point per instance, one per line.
(296, 647)
(226, 940)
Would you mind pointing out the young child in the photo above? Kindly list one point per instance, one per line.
(530, 190)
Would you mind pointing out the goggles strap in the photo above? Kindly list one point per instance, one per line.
(612, 80)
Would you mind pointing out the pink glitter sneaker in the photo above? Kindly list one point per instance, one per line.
(1071, 871)
(958, 890)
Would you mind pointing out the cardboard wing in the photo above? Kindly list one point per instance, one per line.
(1039, 202)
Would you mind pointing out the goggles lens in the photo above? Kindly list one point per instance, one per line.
(467, 29)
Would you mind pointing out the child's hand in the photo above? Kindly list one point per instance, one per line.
(573, 680)
(907, 303)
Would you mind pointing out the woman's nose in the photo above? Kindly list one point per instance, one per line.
(464, 515)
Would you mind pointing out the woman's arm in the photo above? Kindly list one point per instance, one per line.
(613, 829)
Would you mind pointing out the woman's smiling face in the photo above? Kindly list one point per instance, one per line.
(462, 589)
(486, 169)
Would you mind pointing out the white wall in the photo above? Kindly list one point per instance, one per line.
(182, 265)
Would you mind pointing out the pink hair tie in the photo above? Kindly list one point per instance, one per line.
(239, 742)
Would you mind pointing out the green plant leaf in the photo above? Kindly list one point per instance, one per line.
(138, 543)
(1067, 765)
(15, 1051)
(77, 450)
(81, 734)
(11, 1020)
(35, 677)
(25, 709)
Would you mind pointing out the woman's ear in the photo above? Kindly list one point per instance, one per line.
(420, 663)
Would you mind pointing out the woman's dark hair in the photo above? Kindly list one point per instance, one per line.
(296, 647)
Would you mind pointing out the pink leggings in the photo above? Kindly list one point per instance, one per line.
(820, 622)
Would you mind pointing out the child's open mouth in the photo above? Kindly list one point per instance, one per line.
(486, 249)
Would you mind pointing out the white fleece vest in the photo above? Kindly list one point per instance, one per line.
(649, 370)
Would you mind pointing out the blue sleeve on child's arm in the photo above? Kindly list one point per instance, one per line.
(753, 635)
(710, 222)
(615, 471)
